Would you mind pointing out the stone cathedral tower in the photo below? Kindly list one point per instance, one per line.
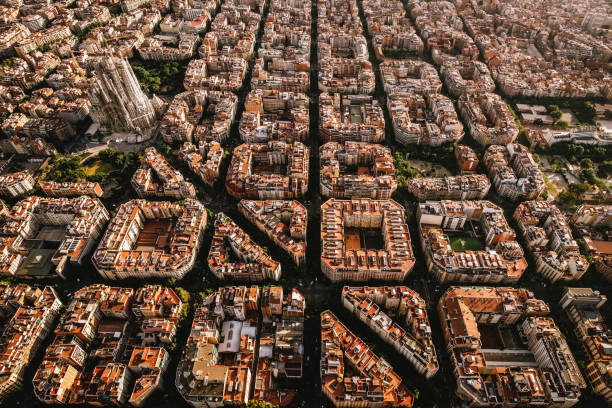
(117, 101)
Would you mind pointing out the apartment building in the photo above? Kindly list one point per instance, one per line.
(132, 31)
(27, 147)
(148, 239)
(551, 351)
(215, 73)
(46, 114)
(465, 187)
(15, 184)
(363, 239)
(467, 159)
(281, 345)
(357, 118)
(514, 172)
(446, 44)
(199, 116)
(287, 31)
(69, 105)
(356, 170)
(424, 119)
(342, 49)
(283, 61)
(157, 178)
(583, 306)
(273, 170)
(19, 73)
(95, 327)
(218, 361)
(441, 29)
(340, 32)
(374, 384)
(540, 370)
(54, 129)
(594, 20)
(71, 225)
(10, 35)
(40, 38)
(409, 333)
(488, 118)
(285, 74)
(270, 114)
(466, 76)
(392, 33)
(338, 15)
(231, 34)
(68, 189)
(335, 44)
(561, 57)
(9, 15)
(346, 76)
(30, 315)
(204, 160)
(550, 241)
(409, 77)
(181, 46)
(247, 260)
(501, 259)
(283, 221)
(594, 223)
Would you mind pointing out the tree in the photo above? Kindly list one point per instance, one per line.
(586, 163)
(585, 112)
(605, 168)
(556, 115)
(591, 178)
(151, 75)
(562, 124)
(141, 72)
(184, 313)
(579, 188)
(133, 161)
(107, 155)
(600, 151)
(98, 177)
(401, 181)
(554, 111)
(67, 169)
(575, 149)
(538, 122)
(119, 159)
(183, 294)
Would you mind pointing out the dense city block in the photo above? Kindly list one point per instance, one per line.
(232, 165)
